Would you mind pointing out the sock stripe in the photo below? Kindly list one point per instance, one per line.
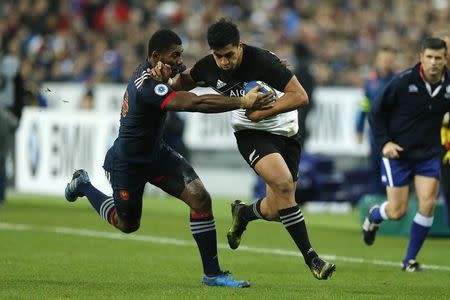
(203, 230)
(107, 210)
(423, 220)
(201, 226)
(291, 214)
(193, 222)
(255, 210)
(293, 222)
(286, 220)
(105, 207)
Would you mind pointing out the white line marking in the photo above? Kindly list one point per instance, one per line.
(162, 240)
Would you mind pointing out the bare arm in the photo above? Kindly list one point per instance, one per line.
(183, 81)
(186, 101)
(293, 98)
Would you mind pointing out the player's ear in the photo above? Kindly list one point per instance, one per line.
(156, 56)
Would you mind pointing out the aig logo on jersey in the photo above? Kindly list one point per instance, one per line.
(161, 89)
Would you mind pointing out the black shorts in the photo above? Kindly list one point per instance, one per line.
(171, 173)
(255, 144)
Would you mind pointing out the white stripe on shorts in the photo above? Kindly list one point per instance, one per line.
(387, 167)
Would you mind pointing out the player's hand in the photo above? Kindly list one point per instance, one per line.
(391, 150)
(160, 72)
(256, 101)
(254, 115)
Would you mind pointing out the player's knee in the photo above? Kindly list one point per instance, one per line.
(130, 227)
(398, 213)
(283, 186)
(200, 200)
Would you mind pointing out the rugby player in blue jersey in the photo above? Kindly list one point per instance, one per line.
(406, 120)
(139, 155)
(373, 85)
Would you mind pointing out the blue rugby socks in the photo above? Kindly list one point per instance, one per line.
(378, 214)
(203, 230)
(419, 230)
(104, 205)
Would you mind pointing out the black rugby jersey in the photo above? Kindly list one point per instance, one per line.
(142, 117)
(410, 114)
(257, 64)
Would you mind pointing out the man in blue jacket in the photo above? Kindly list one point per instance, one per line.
(374, 85)
(406, 120)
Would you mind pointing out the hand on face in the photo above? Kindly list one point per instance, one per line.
(160, 72)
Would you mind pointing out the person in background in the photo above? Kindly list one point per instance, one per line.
(373, 86)
(87, 103)
(11, 105)
(406, 120)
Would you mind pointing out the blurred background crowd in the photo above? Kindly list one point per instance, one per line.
(102, 41)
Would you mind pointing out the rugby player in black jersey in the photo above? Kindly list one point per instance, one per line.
(139, 155)
(267, 139)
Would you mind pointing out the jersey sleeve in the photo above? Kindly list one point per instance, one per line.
(379, 113)
(275, 73)
(197, 70)
(156, 93)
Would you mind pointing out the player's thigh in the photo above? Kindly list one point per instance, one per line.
(127, 182)
(427, 189)
(273, 157)
(176, 177)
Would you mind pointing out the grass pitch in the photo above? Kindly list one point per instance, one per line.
(52, 249)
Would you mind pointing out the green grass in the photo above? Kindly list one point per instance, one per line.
(39, 263)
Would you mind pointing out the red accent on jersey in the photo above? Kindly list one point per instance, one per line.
(167, 99)
(111, 219)
(200, 216)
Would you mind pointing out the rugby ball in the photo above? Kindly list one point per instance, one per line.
(265, 87)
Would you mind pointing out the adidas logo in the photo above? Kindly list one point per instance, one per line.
(220, 84)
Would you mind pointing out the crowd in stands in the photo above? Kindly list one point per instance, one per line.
(102, 41)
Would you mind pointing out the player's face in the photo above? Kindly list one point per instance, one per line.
(173, 57)
(229, 57)
(433, 62)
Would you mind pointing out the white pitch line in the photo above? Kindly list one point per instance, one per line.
(163, 240)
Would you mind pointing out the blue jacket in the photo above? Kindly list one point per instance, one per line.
(405, 113)
(373, 85)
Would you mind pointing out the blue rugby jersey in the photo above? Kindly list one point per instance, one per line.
(142, 117)
(409, 113)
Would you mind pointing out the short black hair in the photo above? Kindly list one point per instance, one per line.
(162, 40)
(433, 43)
(222, 33)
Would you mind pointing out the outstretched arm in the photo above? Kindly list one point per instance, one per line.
(186, 101)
